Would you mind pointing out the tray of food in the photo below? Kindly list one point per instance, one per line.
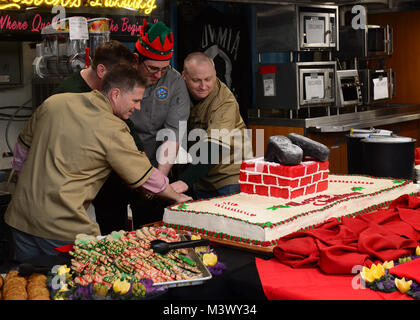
(140, 264)
(129, 256)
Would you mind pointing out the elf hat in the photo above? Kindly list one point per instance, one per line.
(155, 41)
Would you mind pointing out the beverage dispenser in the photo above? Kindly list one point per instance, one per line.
(98, 33)
(67, 46)
(62, 50)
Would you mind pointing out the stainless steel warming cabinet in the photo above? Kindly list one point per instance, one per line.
(292, 27)
(378, 86)
(296, 85)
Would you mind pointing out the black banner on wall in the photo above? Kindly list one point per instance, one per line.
(225, 38)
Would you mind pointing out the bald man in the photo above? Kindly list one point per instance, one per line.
(213, 109)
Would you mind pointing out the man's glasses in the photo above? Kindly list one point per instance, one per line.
(153, 69)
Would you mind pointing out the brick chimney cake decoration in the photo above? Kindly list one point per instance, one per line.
(293, 166)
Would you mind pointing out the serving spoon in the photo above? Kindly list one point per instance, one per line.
(162, 247)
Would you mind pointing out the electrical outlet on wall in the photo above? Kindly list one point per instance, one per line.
(5, 161)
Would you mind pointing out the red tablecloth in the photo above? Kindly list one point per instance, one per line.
(281, 282)
(408, 270)
(320, 263)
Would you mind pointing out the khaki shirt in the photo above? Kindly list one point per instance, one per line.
(218, 115)
(74, 142)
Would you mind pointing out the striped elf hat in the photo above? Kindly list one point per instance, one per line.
(155, 41)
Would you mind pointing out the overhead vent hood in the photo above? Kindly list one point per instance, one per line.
(374, 6)
(385, 6)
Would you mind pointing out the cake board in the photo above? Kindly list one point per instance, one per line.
(265, 250)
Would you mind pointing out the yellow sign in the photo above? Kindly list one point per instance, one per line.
(147, 6)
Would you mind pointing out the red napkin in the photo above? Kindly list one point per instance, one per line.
(298, 252)
(409, 270)
(337, 247)
(405, 201)
(417, 156)
(65, 249)
(384, 246)
(341, 259)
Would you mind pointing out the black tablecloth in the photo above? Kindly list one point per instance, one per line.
(237, 287)
(239, 280)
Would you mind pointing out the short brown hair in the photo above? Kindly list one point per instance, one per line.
(112, 52)
(122, 76)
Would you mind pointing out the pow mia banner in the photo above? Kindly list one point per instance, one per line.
(225, 38)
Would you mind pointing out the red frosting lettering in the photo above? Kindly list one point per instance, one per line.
(323, 199)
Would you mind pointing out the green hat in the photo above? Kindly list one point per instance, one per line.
(155, 41)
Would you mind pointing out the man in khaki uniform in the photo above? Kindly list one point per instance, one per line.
(214, 111)
(112, 199)
(73, 142)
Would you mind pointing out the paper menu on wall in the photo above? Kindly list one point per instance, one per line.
(78, 28)
(380, 88)
(315, 30)
(314, 87)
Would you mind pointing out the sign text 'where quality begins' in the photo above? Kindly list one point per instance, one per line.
(10, 23)
(144, 6)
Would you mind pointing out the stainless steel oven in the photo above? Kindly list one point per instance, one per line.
(318, 29)
(379, 40)
(296, 85)
(373, 41)
(348, 88)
